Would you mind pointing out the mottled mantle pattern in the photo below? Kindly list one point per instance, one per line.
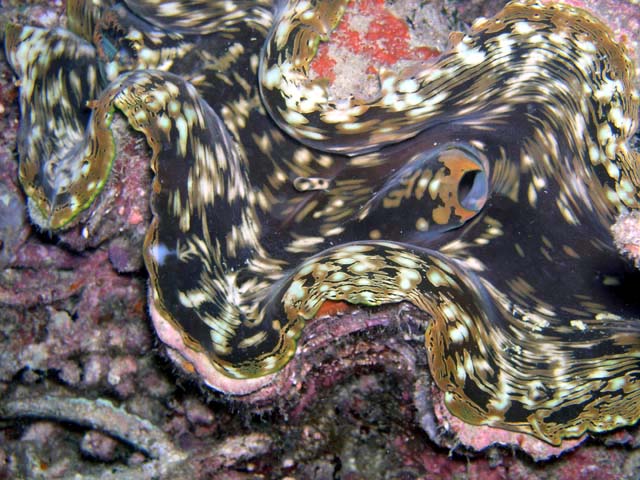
(479, 188)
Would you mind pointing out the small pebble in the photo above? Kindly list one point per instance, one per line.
(99, 446)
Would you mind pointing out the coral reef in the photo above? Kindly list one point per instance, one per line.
(86, 389)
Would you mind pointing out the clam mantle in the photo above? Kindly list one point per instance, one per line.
(479, 187)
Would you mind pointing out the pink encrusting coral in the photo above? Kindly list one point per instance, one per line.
(371, 29)
(370, 37)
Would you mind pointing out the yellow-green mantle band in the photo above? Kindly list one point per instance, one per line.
(480, 188)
